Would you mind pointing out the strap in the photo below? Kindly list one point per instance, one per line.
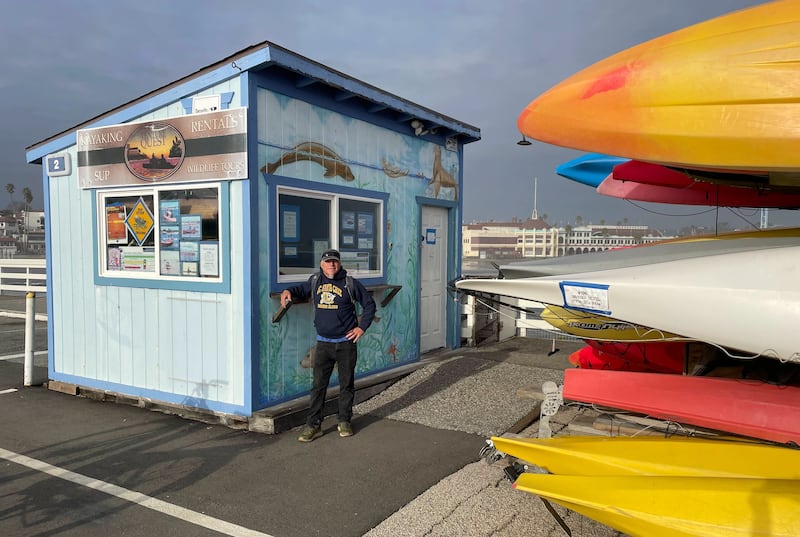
(314, 280)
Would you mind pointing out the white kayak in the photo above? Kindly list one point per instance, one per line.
(747, 302)
(652, 253)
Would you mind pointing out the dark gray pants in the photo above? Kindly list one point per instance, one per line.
(344, 355)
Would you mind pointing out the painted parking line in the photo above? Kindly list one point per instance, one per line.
(160, 506)
(10, 390)
(22, 355)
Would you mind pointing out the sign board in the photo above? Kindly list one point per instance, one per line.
(586, 296)
(58, 164)
(207, 103)
(195, 147)
(140, 221)
(430, 235)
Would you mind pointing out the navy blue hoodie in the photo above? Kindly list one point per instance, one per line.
(334, 313)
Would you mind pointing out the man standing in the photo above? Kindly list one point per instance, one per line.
(338, 330)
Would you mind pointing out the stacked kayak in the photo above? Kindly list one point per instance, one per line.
(747, 302)
(653, 486)
(707, 115)
(670, 456)
(719, 95)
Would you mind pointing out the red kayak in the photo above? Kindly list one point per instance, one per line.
(652, 357)
(656, 174)
(699, 193)
(743, 407)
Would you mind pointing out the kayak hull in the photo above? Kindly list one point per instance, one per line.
(655, 456)
(721, 94)
(743, 407)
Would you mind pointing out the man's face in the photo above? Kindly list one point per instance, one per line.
(329, 267)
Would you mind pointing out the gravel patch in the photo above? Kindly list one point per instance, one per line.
(462, 393)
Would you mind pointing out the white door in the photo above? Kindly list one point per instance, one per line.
(433, 279)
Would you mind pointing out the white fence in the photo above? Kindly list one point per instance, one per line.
(18, 276)
(488, 320)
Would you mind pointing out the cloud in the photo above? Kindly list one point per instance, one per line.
(476, 61)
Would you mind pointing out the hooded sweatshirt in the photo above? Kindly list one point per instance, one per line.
(334, 313)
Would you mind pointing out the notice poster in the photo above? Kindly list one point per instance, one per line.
(114, 258)
(188, 268)
(348, 220)
(170, 263)
(209, 259)
(116, 232)
(170, 211)
(191, 227)
(138, 258)
(365, 224)
(190, 251)
(290, 223)
(170, 237)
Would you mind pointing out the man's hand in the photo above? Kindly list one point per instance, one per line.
(286, 297)
(355, 334)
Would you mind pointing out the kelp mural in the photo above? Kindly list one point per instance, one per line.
(302, 141)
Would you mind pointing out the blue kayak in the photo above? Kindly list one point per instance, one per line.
(590, 169)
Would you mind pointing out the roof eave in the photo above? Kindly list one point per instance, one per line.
(268, 55)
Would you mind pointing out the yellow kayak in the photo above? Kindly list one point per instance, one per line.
(729, 235)
(602, 328)
(720, 95)
(669, 506)
(654, 456)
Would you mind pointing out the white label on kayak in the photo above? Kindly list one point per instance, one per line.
(586, 296)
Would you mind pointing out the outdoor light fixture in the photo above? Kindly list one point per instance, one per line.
(524, 141)
(419, 128)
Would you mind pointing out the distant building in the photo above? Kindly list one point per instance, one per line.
(8, 247)
(515, 239)
(30, 234)
(8, 226)
(533, 238)
(592, 238)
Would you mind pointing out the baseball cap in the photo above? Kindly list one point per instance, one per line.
(327, 255)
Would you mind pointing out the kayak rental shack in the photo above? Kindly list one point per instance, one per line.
(175, 220)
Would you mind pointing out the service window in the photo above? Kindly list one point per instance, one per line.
(160, 233)
(310, 222)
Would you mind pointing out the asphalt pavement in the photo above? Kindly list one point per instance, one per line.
(72, 466)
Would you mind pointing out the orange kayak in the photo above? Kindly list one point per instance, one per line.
(720, 95)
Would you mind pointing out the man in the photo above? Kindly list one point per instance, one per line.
(338, 331)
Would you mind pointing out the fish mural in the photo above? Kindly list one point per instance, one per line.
(311, 151)
(392, 171)
(381, 162)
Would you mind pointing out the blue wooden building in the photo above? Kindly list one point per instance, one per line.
(174, 220)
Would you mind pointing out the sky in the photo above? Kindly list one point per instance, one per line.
(480, 62)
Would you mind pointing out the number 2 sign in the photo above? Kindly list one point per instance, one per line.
(58, 164)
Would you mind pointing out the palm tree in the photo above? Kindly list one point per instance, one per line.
(579, 220)
(10, 190)
(27, 195)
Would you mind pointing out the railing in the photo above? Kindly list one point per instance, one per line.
(19, 276)
(485, 319)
